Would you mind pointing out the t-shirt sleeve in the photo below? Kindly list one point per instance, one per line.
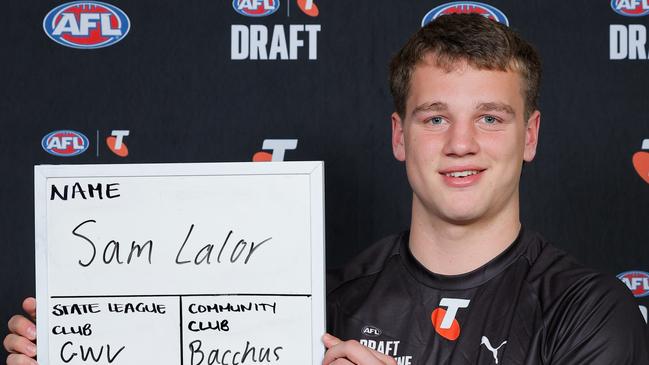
(597, 322)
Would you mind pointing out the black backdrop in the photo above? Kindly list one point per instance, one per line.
(172, 84)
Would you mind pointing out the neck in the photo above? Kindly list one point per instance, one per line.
(452, 248)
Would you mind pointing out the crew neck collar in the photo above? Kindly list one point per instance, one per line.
(467, 280)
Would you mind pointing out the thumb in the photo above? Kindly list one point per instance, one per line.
(330, 341)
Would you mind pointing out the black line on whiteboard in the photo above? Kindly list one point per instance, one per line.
(184, 295)
(178, 175)
(181, 329)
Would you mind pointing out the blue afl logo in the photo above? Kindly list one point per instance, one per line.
(255, 8)
(466, 7)
(630, 7)
(637, 281)
(86, 24)
(65, 143)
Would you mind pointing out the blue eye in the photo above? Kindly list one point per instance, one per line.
(490, 119)
(436, 120)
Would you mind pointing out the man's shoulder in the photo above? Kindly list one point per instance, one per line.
(585, 311)
(555, 273)
(367, 264)
(562, 281)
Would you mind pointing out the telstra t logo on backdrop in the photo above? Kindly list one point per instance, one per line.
(86, 24)
(278, 148)
(258, 42)
(116, 143)
(308, 7)
(641, 161)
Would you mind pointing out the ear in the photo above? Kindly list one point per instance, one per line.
(532, 135)
(398, 147)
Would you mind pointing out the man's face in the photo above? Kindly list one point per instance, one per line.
(464, 138)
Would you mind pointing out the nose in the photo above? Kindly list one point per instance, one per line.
(461, 139)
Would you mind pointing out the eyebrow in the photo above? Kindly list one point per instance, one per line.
(499, 107)
(438, 106)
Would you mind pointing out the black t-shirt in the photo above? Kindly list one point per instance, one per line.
(532, 304)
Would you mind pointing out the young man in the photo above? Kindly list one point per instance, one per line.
(467, 284)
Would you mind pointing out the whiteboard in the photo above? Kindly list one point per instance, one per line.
(192, 264)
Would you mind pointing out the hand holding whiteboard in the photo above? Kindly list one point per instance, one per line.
(180, 263)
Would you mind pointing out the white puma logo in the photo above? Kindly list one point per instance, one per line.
(485, 341)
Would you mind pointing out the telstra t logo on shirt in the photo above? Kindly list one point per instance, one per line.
(444, 320)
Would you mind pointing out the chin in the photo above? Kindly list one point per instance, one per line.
(461, 218)
(462, 212)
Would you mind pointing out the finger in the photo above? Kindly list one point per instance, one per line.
(330, 341)
(342, 362)
(19, 345)
(352, 351)
(22, 326)
(15, 359)
(29, 306)
(385, 359)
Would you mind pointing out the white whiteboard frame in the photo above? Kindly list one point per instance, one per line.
(314, 169)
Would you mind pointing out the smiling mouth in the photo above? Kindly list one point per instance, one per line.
(462, 174)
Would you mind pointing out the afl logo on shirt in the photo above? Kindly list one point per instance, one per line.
(371, 331)
(444, 320)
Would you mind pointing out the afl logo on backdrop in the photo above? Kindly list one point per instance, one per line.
(466, 7)
(630, 7)
(636, 281)
(65, 143)
(256, 8)
(86, 24)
